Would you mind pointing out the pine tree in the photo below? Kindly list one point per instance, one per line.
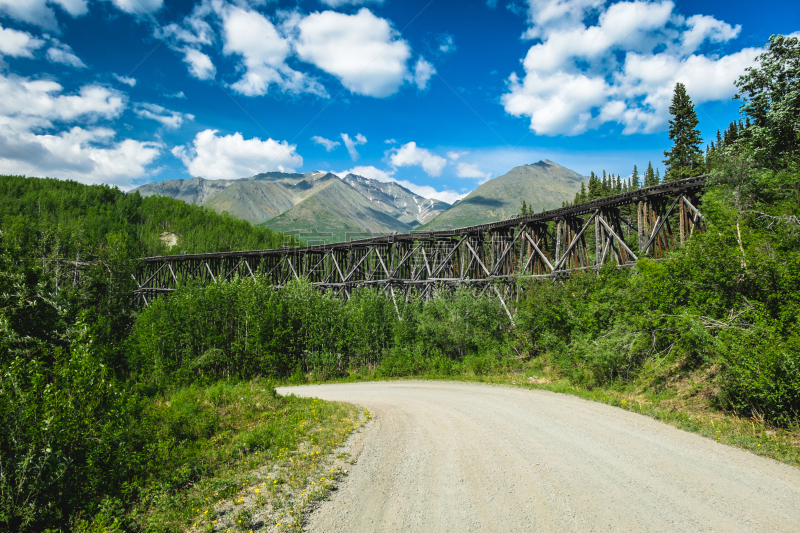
(657, 179)
(649, 175)
(594, 187)
(684, 159)
(635, 178)
(583, 193)
(524, 208)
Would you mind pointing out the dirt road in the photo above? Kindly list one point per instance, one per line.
(466, 457)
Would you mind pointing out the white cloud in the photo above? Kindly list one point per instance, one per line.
(369, 172)
(18, 43)
(39, 102)
(351, 144)
(453, 155)
(340, 3)
(233, 157)
(621, 69)
(390, 141)
(410, 154)
(86, 153)
(178, 94)
(40, 12)
(362, 50)
(131, 82)
(200, 65)
(167, 118)
(138, 7)
(62, 53)
(327, 143)
(422, 74)
(471, 170)
(426, 191)
(264, 53)
(447, 43)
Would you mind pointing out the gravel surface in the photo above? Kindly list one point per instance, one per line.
(442, 456)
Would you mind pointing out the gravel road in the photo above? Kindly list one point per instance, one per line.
(468, 457)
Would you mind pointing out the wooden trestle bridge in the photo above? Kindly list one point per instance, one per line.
(494, 256)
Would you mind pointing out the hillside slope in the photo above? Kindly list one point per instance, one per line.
(335, 212)
(543, 185)
(347, 206)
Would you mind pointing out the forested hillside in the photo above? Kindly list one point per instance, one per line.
(112, 414)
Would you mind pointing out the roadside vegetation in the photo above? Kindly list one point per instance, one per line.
(165, 419)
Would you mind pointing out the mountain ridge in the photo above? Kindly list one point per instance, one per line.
(277, 199)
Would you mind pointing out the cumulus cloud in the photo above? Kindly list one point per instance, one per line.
(200, 65)
(232, 156)
(40, 12)
(423, 71)
(369, 172)
(327, 143)
(167, 118)
(390, 141)
(18, 43)
(40, 102)
(264, 52)
(88, 153)
(410, 155)
(351, 144)
(471, 170)
(363, 51)
(62, 53)
(620, 69)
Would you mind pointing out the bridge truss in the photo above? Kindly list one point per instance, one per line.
(621, 228)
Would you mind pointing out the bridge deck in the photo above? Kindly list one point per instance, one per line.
(548, 244)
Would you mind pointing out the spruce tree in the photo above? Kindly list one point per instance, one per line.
(635, 178)
(594, 187)
(649, 175)
(583, 193)
(684, 159)
(657, 179)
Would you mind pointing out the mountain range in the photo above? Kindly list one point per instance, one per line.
(319, 207)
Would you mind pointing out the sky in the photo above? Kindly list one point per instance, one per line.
(438, 95)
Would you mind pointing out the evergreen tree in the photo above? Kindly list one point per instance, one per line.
(583, 193)
(524, 210)
(594, 187)
(635, 178)
(657, 179)
(684, 159)
(649, 175)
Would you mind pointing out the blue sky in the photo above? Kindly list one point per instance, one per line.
(438, 95)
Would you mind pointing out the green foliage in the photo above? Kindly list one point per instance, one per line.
(684, 159)
(770, 96)
(245, 328)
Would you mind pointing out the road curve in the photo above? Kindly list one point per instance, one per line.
(441, 456)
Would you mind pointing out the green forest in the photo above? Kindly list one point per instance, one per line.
(110, 410)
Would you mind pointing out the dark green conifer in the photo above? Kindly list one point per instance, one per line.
(635, 178)
(684, 159)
